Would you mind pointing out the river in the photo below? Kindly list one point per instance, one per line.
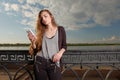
(116, 47)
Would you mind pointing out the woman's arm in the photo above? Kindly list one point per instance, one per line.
(63, 45)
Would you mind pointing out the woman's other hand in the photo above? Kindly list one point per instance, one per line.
(57, 57)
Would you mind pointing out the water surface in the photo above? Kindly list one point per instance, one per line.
(68, 48)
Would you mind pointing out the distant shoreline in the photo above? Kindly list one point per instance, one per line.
(93, 44)
(68, 44)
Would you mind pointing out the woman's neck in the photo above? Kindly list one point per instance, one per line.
(50, 31)
(50, 27)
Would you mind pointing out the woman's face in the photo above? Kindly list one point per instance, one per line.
(46, 18)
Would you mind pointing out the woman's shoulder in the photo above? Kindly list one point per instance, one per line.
(60, 28)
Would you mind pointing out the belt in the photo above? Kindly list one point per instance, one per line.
(40, 59)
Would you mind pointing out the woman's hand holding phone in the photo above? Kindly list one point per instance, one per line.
(32, 37)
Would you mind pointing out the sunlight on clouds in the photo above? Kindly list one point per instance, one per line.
(28, 23)
(31, 9)
(113, 38)
(15, 7)
(110, 39)
(45, 2)
(24, 7)
(24, 22)
(6, 6)
(20, 1)
(30, 1)
(28, 14)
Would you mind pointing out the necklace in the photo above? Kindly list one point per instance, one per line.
(51, 33)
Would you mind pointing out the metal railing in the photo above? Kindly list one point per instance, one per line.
(93, 61)
(89, 61)
(18, 61)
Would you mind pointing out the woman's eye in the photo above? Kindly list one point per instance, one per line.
(45, 16)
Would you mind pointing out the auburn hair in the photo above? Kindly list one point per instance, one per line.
(40, 29)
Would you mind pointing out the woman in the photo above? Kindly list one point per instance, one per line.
(48, 47)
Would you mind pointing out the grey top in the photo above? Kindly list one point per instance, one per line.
(49, 46)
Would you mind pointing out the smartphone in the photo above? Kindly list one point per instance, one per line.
(30, 31)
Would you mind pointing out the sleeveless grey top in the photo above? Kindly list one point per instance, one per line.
(49, 46)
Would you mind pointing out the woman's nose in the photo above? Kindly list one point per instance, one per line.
(43, 18)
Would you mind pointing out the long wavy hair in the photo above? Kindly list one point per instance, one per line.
(40, 29)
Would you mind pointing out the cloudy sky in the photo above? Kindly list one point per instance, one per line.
(85, 21)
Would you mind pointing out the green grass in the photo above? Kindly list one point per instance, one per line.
(68, 44)
(17, 44)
